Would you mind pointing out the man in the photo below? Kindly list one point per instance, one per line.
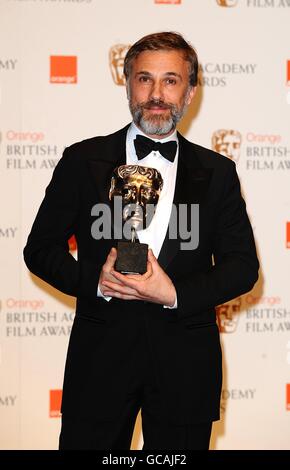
(127, 350)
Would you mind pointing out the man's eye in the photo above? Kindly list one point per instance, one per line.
(144, 79)
(171, 81)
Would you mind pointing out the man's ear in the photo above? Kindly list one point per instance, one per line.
(190, 95)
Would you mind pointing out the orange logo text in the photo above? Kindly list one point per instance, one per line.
(63, 69)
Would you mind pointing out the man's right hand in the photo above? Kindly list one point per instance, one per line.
(106, 270)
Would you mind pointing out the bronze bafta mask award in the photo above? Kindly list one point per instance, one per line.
(138, 189)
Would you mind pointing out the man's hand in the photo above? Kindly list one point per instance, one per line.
(107, 268)
(152, 286)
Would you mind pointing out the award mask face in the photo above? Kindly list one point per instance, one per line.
(139, 187)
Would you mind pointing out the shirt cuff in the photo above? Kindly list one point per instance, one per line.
(100, 294)
(173, 306)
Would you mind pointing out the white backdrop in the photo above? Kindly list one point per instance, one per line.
(61, 82)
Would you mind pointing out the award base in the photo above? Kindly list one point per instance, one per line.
(131, 258)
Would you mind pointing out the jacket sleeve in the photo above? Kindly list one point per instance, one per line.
(46, 253)
(235, 268)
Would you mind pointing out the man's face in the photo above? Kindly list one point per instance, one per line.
(158, 91)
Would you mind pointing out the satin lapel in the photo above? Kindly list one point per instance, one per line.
(111, 153)
(192, 183)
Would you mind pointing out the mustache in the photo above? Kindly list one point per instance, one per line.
(153, 103)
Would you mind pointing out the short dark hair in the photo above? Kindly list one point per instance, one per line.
(164, 41)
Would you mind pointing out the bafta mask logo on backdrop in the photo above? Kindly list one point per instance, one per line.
(228, 315)
(288, 73)
(55, 397)
(287, 234)
(228, 143)
(116, 57)
(227, 3)
(63, 69)
(169, 2)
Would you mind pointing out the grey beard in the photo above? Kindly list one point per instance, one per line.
(156, 128)
(156, 125)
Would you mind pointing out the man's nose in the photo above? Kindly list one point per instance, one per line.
(156, 91)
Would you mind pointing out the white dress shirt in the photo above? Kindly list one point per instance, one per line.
(154, 234)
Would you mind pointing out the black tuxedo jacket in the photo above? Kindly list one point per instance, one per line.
(184, 342)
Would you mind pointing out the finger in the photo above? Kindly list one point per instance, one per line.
(137, 277)
(149, 271)
(127, 280)
(151, 256)
(121, 296)
(110, 261)
(141, 277)
(119, 288)
(154, 262)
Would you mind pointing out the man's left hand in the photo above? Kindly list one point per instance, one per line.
(152, 286)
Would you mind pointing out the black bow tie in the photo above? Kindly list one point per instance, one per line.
(144, 146)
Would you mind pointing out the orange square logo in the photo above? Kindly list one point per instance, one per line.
(169, 2)
(288, 73)
(55, 397)
(63, 69)
(287, 234)
(288, 397)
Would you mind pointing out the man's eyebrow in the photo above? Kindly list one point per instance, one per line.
(174, 74)
(143, 72)
(167, 74)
